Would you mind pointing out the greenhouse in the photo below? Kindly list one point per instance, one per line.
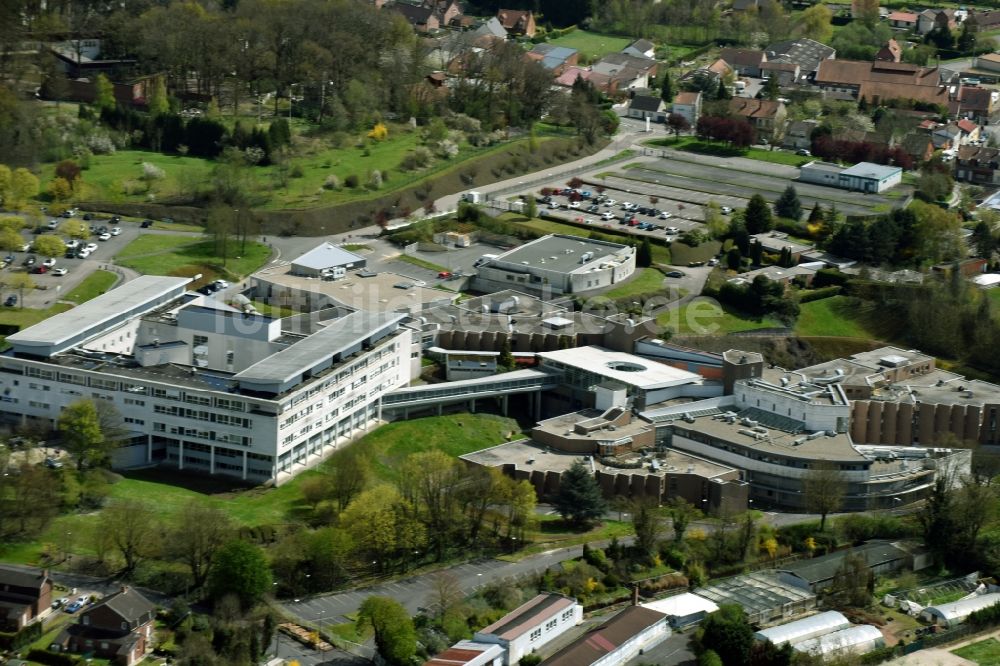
(954, 613)
(804, 629)
(859, 639)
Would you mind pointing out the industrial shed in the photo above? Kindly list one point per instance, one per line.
(683, 609)
(804, 629)
(764, 597)
(859, 639)
(955, 613)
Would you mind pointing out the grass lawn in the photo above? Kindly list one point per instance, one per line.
(984, 653)
(646, 280)
(155, 244)
(416, 261)
(92, 286)
(178, 255)
(830, 317)
(455, 434)
(592, 45)
(693, 144)
(682, 254)
(357, 247)
(707, 317)
(275, 311)
(552, 533)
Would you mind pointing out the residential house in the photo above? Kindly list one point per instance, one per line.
(936, 19)
(448, 12)
(978, 104)
(518, 22)
(491, 28)
(554, 58)
(890, 52)
(774, 242)
(688, 104)
(81, 58)
(978, 164)
(767, 116)
(745, 62)
(614, 63)
(946, 137)
(647, 106)
(987, 61)
(903, 20)
(798, 134)
(804, 52)
(967, 268)
(616, 641)
(969, 131)
(787, 276)
(25, 594)
(787, 73)
(641, 48)
(118, 628)
(917, 145)
(983, 21)
(532, 625)
(423, 19)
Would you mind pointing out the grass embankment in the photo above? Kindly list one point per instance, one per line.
(834, 316)
(645, 281)
(693, 144)
(708, 317)
(985, 652)
(188, 256)
(92, 286)
(422, 263)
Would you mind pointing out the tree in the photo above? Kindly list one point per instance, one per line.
(647, 525)
(24, 186)
(221, 228)
(157, 101)
(75, 229)
(727, 632)
(579, 498)
(315, 489)
(853, 583)
(54, 85)
(444, 595)
(200, 531)
(644, 254)
(239, 569)
(10, 240)
(722, 92)
(350, 472)
(814, 23)
(133, 529)
(681, 513)
(395, 636)
(430, 481)
(49, 246)
(983, 240)
(59, 189)
(20, 282)
(531, 207)
(506, 359)
(937, 519)
(667, 91)
(81, 431)
(771, 89)
(824, 486)
(104, 97)
(757, 215)
(788, 204)
(678, 123)
(70, 171)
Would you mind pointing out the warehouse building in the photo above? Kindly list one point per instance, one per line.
(327, 261)
(532, 625)
(955, 613)
(616, 641)
(557, 264)
(862, 177)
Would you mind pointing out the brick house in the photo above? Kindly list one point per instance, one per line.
(25, 594)
(890, 52)
(903, 20)
(767, 116)
(978, 164)
(517, 21)
(423, 19)
(118, 628)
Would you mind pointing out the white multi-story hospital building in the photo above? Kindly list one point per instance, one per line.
(204, 386)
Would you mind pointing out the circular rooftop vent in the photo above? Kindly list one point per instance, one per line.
(625, 366)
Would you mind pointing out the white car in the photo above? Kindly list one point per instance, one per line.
(222, 284)
(726, 210)
(104, 237)
(49, 263)
(115, 231)
(25, 247)
(90, 247)
(610, 202)
(53, 224)
(83, 254)
(59, 272)
(72, 244)
(574, 205)
(607, 215)
(673, 230)
(665, 215)
(553, 205)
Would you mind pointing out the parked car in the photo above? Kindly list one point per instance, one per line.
(695, 264)
(60, 602)
(675, 274)
(607, 215)
(146, 224)
(116, 219)
(53, 224)
(574, 204)
(59, 272)
(49, 263)
(72, 244)
(9, 258)
(40, 270)
(88, 217)
(11, 301)
(444, 275)
(104, 237)
(83, 253)
(90, 247)
(73, 607)
(610, 202)
(673, 230)
(29, 260)
(726, 210)
(222, 284)
(26, 247)
(714, 261)
(664, 215)
(803, 152)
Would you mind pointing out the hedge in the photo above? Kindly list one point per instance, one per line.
(54, 658)
(18, 639)
(827, 276)
(818, 294)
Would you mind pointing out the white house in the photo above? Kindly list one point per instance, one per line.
(531, 625)
(688, 105)
(647, 106)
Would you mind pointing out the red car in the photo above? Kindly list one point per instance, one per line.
(444, 275)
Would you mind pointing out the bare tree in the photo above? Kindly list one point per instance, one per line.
(444, 595)
(824, 486)
(201, 530)
(133, 529)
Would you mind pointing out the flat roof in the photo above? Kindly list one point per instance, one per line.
(335, 337)
(682, 605)
(326, 255)
(520, 452)
(378, 291)
(628, 369)
(98, 311)
(563, 253)
(871, 170)
(817, 165)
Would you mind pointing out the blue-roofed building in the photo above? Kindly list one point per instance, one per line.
(554, 58)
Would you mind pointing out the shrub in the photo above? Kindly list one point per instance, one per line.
(297, 171)
(352, 181)
(417, 158)
(375, 179)
(829, 276)
(53, 658)
(818, 294)
(331, 182)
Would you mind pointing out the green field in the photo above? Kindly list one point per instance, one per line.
(984, 653)
(187, 256)
(646, 280)
(168, 492)
(92, 286)
(682, 255)
(591, 45)
(829, 317)
(707, 317)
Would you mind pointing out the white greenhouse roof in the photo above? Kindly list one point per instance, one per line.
(957, 610)
(861, 638)
(804, 629)
(326, 255)
(682, 605)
